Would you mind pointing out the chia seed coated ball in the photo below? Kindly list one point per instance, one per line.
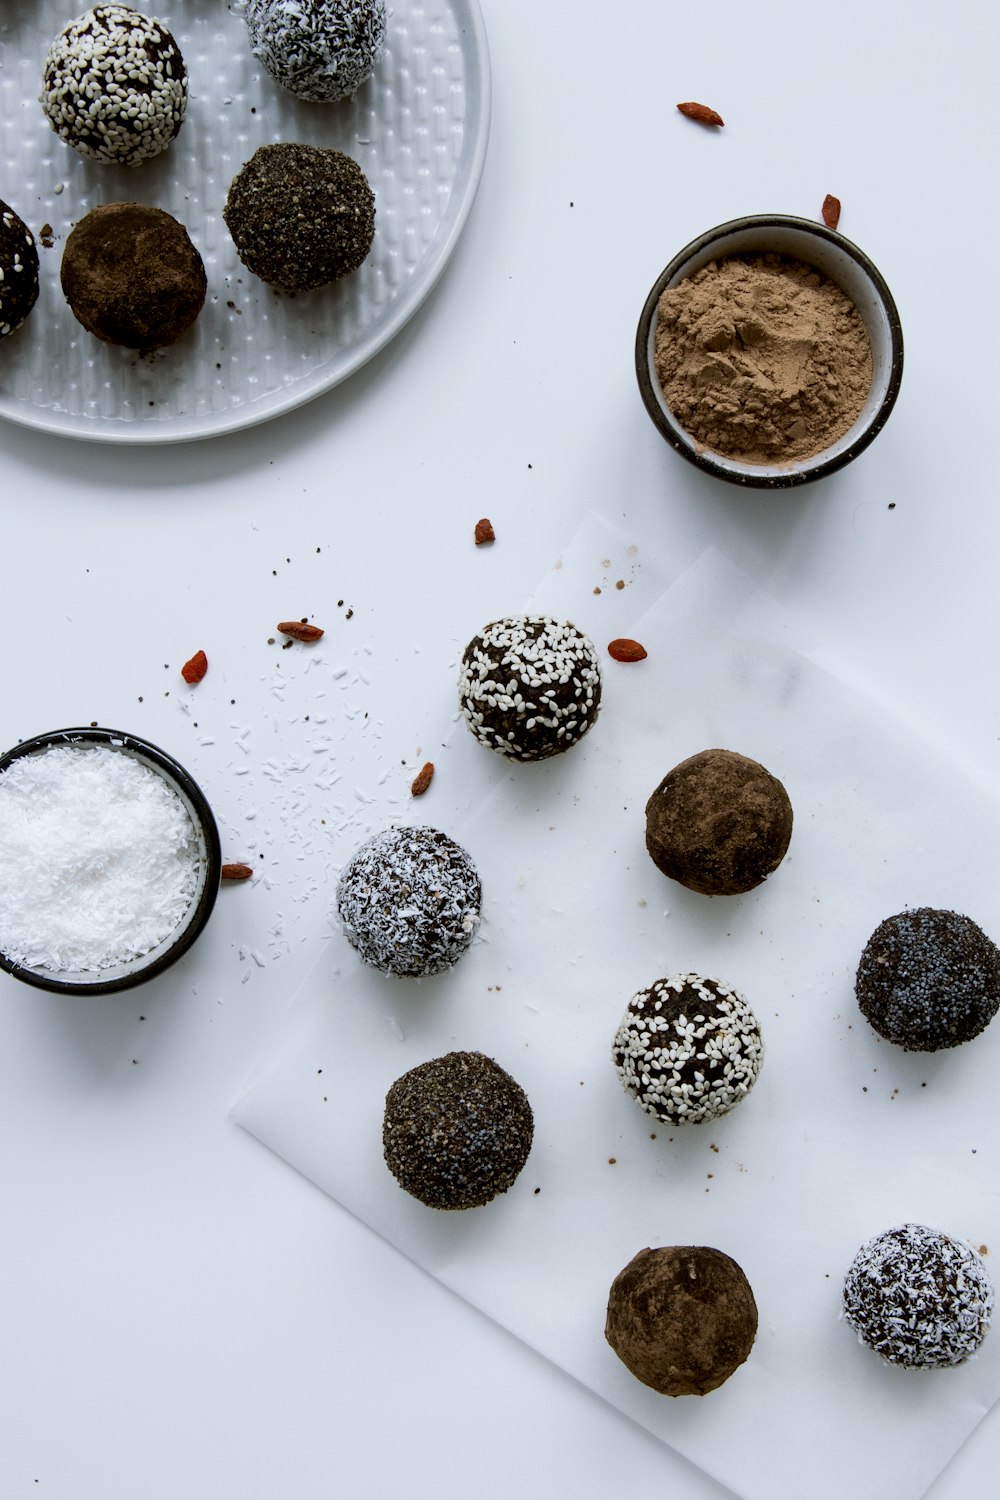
(456, 1131)
(322, 50)
(928, 979)
(919, 1298)
(18, 270)
(682, 1318)
(688, 1049)
(718, 823)
(300, 216)
(132, 276)
(114, 86)
(530, 686)
(409, 901)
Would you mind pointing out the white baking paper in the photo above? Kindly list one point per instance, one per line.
(843, 1135)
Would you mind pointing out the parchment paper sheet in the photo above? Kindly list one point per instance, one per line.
(843, 1135)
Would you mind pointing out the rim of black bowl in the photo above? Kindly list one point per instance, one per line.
(195, 924)
(703, 459)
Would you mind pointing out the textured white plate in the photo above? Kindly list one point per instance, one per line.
(418, 129)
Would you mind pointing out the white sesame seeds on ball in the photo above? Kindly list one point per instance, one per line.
(530, 686)
(114, 86)
(688, 1049)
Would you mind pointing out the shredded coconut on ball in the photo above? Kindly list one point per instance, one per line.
(322, 50)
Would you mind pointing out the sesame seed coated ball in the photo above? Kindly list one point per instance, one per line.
(18, 270)
(688, 1049)
(409, 901)
(300, 216)
(929, 979)
(456, 1131)
(919, 1298)
(114, 86)
(530, 686)
(322, 50)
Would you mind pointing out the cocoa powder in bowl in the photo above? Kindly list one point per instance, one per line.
(762, 358)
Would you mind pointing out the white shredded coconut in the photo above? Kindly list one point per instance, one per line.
(99, 859)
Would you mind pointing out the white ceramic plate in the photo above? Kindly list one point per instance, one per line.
(418, 129)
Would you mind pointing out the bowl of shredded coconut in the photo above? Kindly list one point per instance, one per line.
(769, 351)
(109, 861)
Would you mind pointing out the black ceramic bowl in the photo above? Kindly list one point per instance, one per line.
(833, 256)
(123, 976)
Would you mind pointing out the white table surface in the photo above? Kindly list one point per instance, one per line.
(179, 1312)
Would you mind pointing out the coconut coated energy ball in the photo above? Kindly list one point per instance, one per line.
(322, 50)
(929, 979)
(114, 86)
(300, 216)
(688, 1049)
(18, 270)
(682, 1318)
(530, 686)
(409, 901)
(919, 1298)
(456, 1131)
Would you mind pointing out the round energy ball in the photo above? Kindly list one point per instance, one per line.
(928, 979)
(718, 823)
(530, 686)
(456, 1131)
(409, 901)
(132, 276)
(688, 1049)
(18, 270)
(322, 50)
(919, 1298)
(682, 1318)
(300, 216)
(114, 86)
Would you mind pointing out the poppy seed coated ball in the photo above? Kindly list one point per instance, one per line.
(456, 1131)
(928, 979)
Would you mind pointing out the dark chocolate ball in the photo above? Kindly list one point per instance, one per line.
(718, 823)
(919, 1298)
(114, 85)
(928, 979)
(456, 1131)
(688, 1049)
(300, 216)
(18, 270)
(682, 1318)
(409, 901)
(132, 276)
(530, 686)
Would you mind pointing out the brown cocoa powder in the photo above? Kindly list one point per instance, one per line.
(761, 358)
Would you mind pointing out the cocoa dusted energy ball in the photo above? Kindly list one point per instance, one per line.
(530, 686)
(322, 50)
(132, 276)
(18, 270)
(928, 979)
(718, 823)
(688, 1049)
(456, 1131)
(300, 216)
(409, 901)
(682, 1318)
(919, 1298)
(114, 86)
